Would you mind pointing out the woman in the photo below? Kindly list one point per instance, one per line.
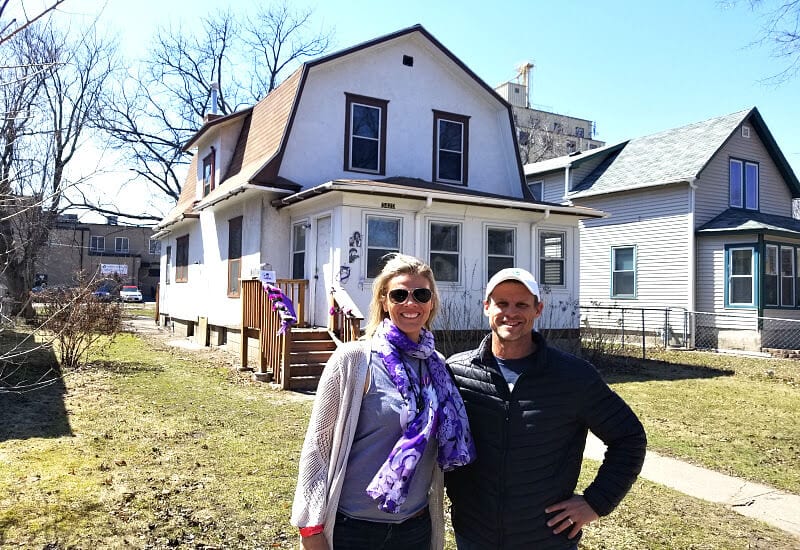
(387, 420)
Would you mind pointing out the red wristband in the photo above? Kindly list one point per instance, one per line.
(311, 531)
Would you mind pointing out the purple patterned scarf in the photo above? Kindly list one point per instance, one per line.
(442, 415)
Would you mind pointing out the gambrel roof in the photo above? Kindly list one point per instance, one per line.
(671, 156)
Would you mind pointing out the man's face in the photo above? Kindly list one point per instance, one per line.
(512, 309)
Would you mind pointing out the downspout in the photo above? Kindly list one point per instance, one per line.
(418, 225)
(691, 259)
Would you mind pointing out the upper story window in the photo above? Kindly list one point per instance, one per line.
(551, 257)
(182, 259)
(451, 147)
(234, 255)
(209, 164)
(743, 177)
(499, 250)
(97, 243)
(299, 251)
(121, 244)
(154, 247)
(365, 134)
(445, 251)
(537, 188)
(579, 131)
(383, 237)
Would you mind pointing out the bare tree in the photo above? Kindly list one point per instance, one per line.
(50, 89)
(160, 105)
(9, 28)
(780, 30)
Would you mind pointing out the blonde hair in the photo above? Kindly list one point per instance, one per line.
(398, 264)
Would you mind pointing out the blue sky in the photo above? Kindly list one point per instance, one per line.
(633, 67)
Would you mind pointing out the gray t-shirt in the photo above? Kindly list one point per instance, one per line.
(379, 427)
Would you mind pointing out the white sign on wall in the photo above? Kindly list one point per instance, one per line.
(110, 269)
(266, 276)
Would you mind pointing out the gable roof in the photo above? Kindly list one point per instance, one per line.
(737, 220)
(677, 155)
(571, 160)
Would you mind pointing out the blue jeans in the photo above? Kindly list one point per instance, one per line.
(356, 534)
(464, 544)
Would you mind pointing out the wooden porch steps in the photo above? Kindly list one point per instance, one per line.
(311, 349)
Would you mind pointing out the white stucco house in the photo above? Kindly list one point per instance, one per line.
(390, 145)
(700, 220)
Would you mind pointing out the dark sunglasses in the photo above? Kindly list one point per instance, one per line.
(400, 295)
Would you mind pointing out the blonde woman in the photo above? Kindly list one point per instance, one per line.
(386, 422)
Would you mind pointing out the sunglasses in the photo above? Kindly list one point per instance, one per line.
(400, 295)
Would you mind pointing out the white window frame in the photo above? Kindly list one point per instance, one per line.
(787, 280)
(118, 241)
(386, 250)
(432, 252)
(730, 276)
(154, 247)
(97, 239)
(772, 272)
(297, 249)
(543, 259)
(489, 254)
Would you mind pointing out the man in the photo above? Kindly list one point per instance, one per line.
(529, 408)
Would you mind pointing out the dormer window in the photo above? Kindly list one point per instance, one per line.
(209, 164)
(451, 147)
(365, 135)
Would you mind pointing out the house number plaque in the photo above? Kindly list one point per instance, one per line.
(389, 205)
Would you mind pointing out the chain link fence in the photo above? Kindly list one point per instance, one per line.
(608, 327)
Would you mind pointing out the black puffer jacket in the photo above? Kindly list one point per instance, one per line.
(530, 446)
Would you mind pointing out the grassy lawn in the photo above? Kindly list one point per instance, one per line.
(157, 447)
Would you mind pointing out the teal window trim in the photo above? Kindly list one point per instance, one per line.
(755, 265)
(796, 278)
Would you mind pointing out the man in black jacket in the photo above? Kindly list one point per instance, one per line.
(530, 407)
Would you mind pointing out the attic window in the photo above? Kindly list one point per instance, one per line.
(408, 61)
(745, 131)
(209, 163)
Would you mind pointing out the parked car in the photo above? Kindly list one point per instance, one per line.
(130, 293)
(102, 295)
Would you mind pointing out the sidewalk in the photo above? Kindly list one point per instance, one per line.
(757, 501)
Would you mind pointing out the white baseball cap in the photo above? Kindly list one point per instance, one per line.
(513, 274)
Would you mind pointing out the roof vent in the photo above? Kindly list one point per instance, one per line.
(746, 131)
(408, 61)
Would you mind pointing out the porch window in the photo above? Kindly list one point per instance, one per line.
(383, 237)
(234, 256)
(499, 250)
(121, 245)
(551, 258)
(623, 272)
(168, 265)
(445, 251)
(209, 163)
(771, 281)
(97, 244)
(365, 134)
(182, 259)
(743, 177)
(451, 139)
(787, 276)
(299, 251)
(740, 277)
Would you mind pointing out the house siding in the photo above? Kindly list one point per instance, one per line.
(412, 94)
(656, 223)
(712, 184)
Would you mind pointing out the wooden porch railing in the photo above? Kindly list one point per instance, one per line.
(260, 321)
(345, 318)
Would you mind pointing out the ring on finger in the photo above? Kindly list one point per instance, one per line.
(570, 521)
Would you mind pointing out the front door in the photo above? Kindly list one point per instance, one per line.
(323, 274)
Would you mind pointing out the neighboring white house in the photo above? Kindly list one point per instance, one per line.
(700, 219)
(391, 145)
